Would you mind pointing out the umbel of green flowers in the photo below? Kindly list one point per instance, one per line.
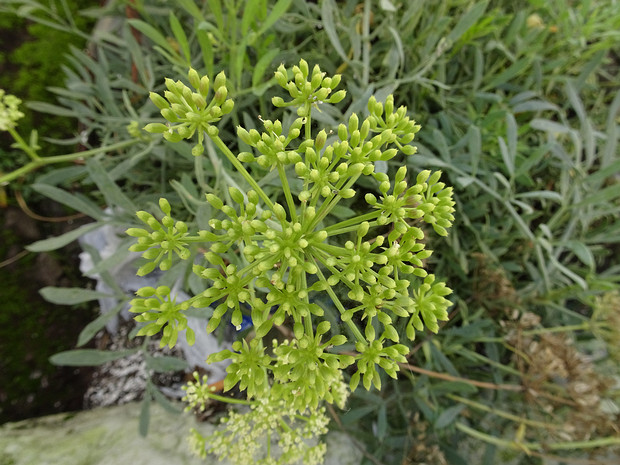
(272, 257)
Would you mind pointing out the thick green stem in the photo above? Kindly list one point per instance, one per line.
(43, 161)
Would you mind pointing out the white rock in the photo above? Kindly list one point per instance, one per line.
(109, 436)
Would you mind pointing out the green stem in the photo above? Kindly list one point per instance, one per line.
(287, 193)
(241, 169)
(501, 413)
(556, 329)
(497, 365)
(351, 224)
(39, 162)
(330, 202)
(308, 124)
(354, 329)
(22, 145)
(568, 445)
(229, 400)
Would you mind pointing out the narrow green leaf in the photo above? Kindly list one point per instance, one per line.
(152, 33)
(506, 156)
(516, 69)
(61, 175)
(607, 194)
(610, 150)
(474, 146)
(511, 137)
(382, 423)
(328, 20)
(51, 109)
(569, 274)
(54, 243)
(207, 50)
(181, 38)
(549, 195)
(191, 8)
(549, 126)
(216, 8)
(582, 252)
(97, 324)
(448, 416)
(113, 194)
(165, 364)
(145, 416)
(164, 402)
(250, 13)
(137, 56)
(534, 105)
(467, 20)
(82, 205)
(276, 12)
(88, 357)
(353, 415)
(589, 67)
(70, 295)
(258, 75)
(442, 361)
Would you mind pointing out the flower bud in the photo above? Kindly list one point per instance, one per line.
(434, 178)
(172, 136)
(199, 101)
(422, 176)
(317, 77)
(227, 106)
(335, 80)
(321, 137)
(203, 88)
(281, 76)
(278, 102)
(236, 195)
(389, 105)
(338, 96)
(347, 193)
(158, 100)
(279, 211)
(220, 95)
(215, 201)
(197, 150)
(194, 78)
(156, 128)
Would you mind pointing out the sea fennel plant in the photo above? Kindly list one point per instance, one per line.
(273, 258)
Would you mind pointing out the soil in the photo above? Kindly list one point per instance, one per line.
(31, 329)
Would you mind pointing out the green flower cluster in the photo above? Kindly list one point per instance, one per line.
(271, 258)
(158, 311)
(271, 431)
(188, 111)
(9, 112)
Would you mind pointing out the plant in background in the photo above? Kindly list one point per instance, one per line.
(271, 260)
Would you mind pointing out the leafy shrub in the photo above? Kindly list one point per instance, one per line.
(524, 131)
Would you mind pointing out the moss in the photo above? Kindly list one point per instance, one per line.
(31, 61)
(31, 330)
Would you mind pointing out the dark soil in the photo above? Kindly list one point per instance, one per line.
(31, 329)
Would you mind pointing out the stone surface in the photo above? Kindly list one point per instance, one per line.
(109, 436)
